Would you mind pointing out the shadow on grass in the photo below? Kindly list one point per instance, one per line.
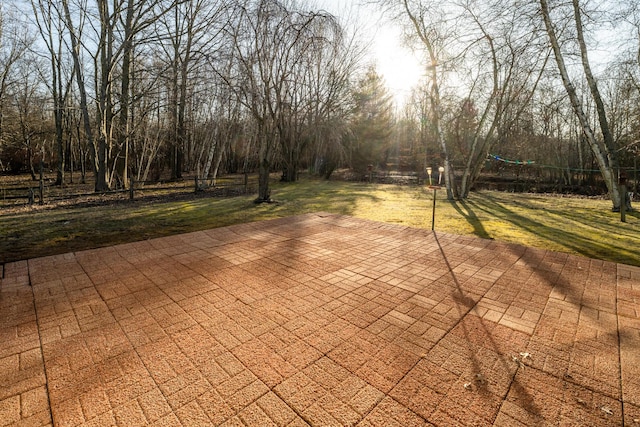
(598, 244)
(52, 232)
(471, 217)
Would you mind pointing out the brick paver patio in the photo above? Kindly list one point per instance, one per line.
(319, 320)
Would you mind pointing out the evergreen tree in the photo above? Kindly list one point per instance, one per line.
(372, 123)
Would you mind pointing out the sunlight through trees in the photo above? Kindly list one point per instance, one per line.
(155, 89)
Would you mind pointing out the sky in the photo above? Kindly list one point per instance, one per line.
(399, 66)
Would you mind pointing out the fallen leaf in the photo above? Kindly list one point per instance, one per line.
(518, 361)
(607, 410)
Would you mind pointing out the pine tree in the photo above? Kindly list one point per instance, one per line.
(372, 123)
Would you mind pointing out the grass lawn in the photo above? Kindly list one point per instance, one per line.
(575, 225)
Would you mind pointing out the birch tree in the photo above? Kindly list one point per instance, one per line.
(602, 148)
(507, 64)
(493, 59)
(426, 19)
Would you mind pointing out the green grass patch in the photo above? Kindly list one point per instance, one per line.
(573, 225)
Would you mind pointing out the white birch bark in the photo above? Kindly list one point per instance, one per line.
(599, 151)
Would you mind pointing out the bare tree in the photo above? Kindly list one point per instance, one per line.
(193, 36)
(51, 29)
(331, 73)
(513, 67)
(425, 23)
(31, 125)
(116, 27)
(270, 39)
(124, 27)
(496, 63)
(306, 91)
(603, 150)
(14, 43)
(98, 154)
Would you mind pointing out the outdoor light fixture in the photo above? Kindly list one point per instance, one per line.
(435, 190)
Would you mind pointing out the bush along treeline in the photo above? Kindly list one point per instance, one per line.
(139, 90)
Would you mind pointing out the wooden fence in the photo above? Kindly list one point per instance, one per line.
(44, 191)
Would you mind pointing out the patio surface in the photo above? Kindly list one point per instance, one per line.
(319, 320)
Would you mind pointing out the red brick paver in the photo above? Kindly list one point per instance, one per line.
(319, 320)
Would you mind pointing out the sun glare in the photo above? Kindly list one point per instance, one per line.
(397, 64)
(400, 67)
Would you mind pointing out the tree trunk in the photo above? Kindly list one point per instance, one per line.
(435, 101)
(216, 163)
(58, 106)
(173, 109)
(105, 107)
(606, 159)
(291, 160)
(210, 155)
(123, 120)
(264, 192)
(75, 52)
(479, 145)
(609, 149)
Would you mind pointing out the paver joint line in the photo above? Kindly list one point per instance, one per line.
(319, 319)
(35, 310)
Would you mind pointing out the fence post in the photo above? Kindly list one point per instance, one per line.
(41, 182)
(623, 203)
(622, 182)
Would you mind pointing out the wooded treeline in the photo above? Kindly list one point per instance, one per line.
(143, 89)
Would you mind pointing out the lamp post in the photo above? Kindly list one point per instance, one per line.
(435, 189)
